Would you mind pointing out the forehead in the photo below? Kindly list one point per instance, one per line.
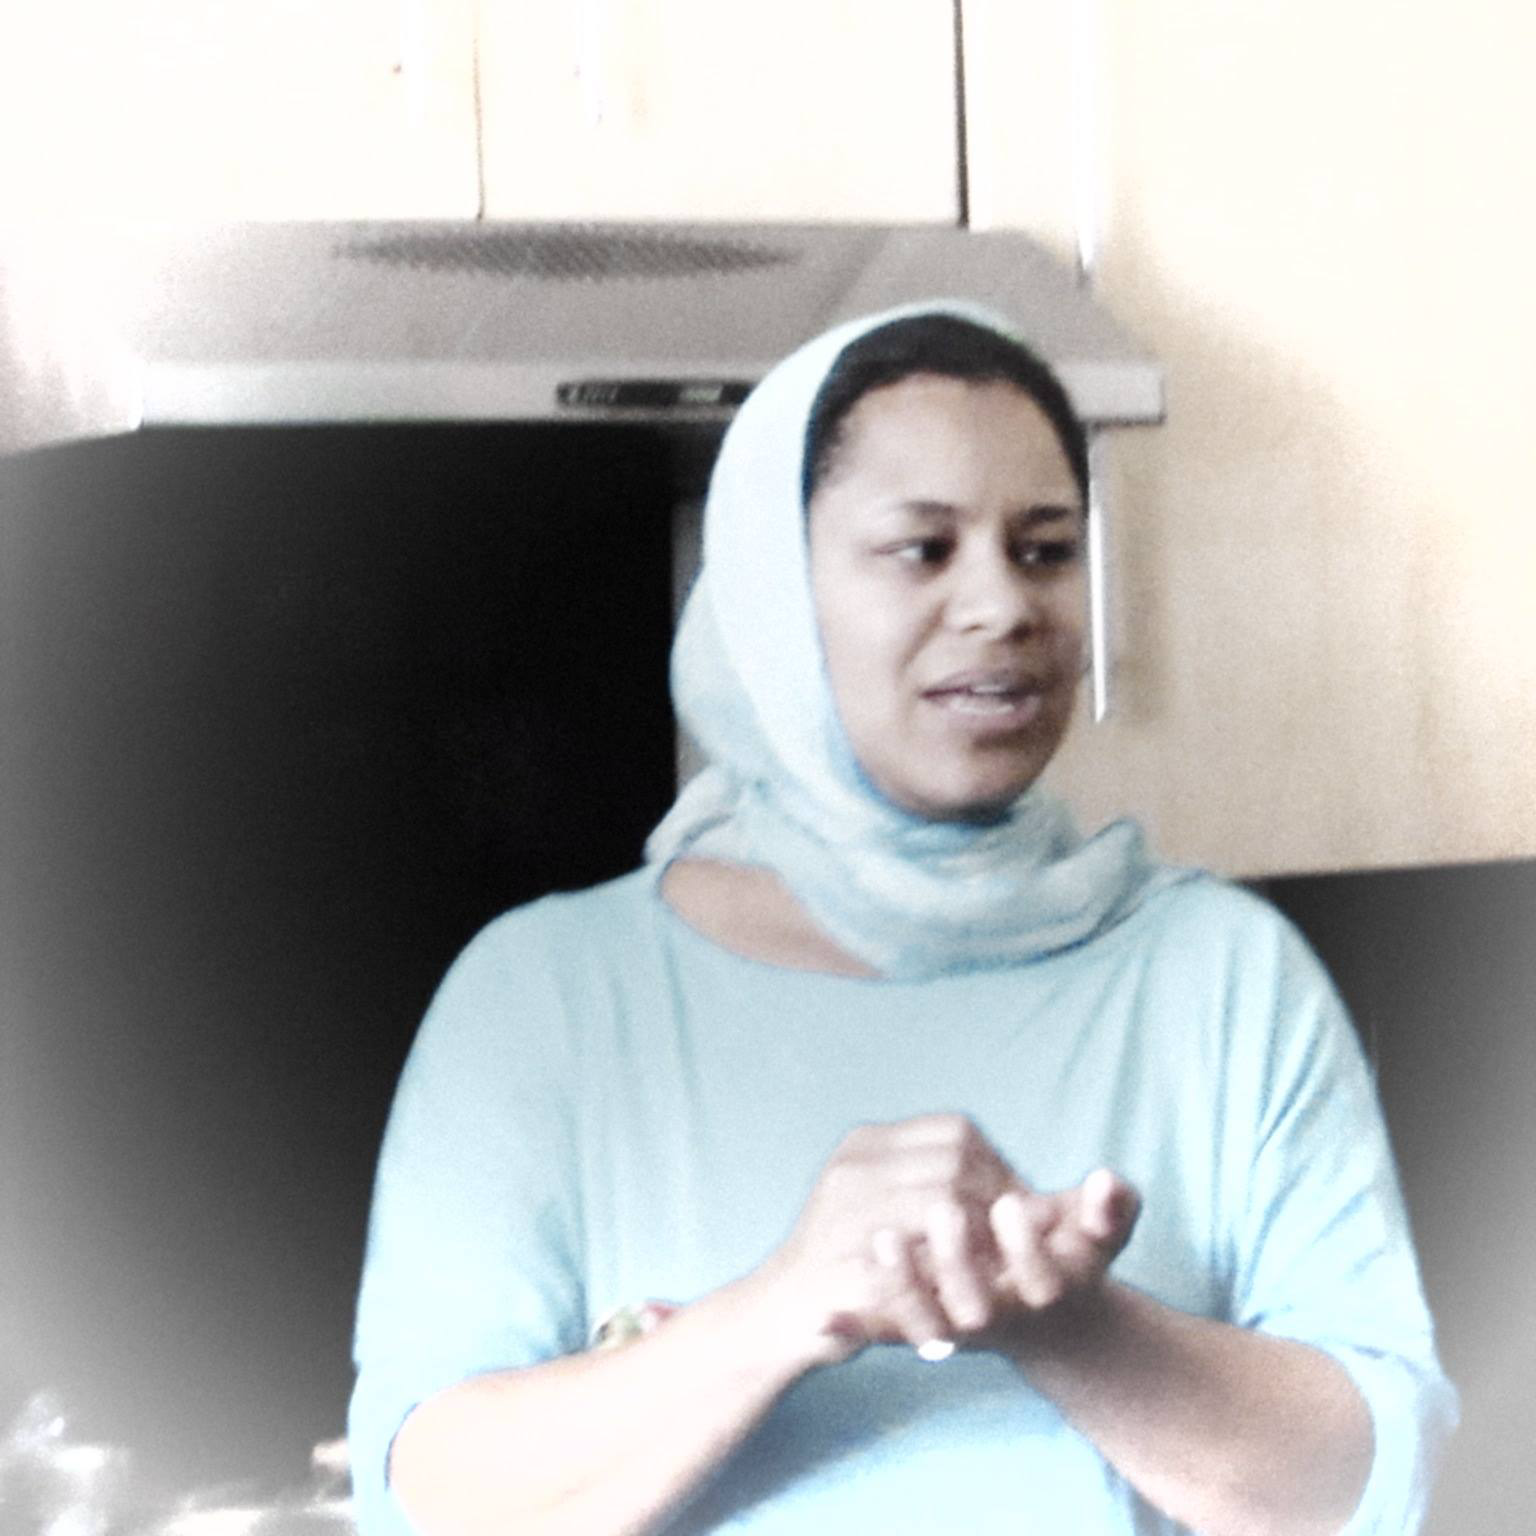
(933, 436)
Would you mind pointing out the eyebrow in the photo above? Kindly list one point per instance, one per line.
(1042, 512)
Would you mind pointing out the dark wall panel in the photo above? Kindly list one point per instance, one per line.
(1439, 968)
(284, 717)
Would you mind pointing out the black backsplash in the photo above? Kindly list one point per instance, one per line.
(287, 715)
(1439, 968)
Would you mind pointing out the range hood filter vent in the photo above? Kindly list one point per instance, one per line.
(570, 254)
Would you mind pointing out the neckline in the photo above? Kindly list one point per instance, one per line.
(727, 953)
(793, 975)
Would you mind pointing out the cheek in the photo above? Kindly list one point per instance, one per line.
(866, 649)
(850, 672)
(865, 660)
(1069, 643)
(1069, 617)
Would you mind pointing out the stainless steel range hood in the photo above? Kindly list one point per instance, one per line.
(103, 331)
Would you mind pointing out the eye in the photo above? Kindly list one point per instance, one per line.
(932, 550)
(1049, 553)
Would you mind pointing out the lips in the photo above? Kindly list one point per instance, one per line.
(1007, 697)
(1014, 677)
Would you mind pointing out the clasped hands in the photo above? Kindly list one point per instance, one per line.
(918, 1231)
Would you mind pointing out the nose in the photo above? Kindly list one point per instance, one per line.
(991, 593)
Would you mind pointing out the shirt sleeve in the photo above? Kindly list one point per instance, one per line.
(1323, 1249)
(473, 1259)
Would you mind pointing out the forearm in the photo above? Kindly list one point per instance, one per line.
(1232, 1432)
(601, 1444)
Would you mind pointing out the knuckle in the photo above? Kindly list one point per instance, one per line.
(838, 1176)
(855, 1140)
(949, 1165)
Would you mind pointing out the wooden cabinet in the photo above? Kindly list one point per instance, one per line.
(1324, 599)
(287, 109)
(1026, 112)
(798, 109)
(597, 109)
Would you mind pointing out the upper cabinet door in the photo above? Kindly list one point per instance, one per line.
(283, 109)
(1324, 593)
(592, 109)
(698, 109)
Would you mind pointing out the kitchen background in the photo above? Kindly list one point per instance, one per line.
(1322, 615)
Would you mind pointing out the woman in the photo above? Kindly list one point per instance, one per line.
(841, 1074)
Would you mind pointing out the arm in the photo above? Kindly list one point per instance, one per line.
(602, 1442)
(1231, 1432)
(1226, 1429)
(1318, 1404)
(476, 1407)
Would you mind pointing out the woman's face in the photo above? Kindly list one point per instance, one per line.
(946, 548)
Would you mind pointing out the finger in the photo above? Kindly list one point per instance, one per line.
(943, 1129)
(963, 1293)
(906, 1302)
(1107, 1209)
(877, 1137)
(950, 1152)
(1022, 1223)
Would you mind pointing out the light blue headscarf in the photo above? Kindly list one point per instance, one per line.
(910, 897)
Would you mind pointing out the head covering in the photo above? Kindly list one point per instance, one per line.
(909, 896)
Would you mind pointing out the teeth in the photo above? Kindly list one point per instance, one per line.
(984, 703)
(990, 699)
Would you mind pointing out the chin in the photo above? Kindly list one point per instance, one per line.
(949, 786)
(977, 804)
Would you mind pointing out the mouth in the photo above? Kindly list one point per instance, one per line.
(1005, 701)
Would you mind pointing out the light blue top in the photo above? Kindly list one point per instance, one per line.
(605, 1107)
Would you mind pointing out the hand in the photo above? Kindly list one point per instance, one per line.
(919, 1231)
(849, 1273)
(1052, 1254)
(1057, 1248)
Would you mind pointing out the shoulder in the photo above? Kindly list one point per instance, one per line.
(1269, 996)
(1200, 918)
(527, 968)
(544, 932)
(1221, 950)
